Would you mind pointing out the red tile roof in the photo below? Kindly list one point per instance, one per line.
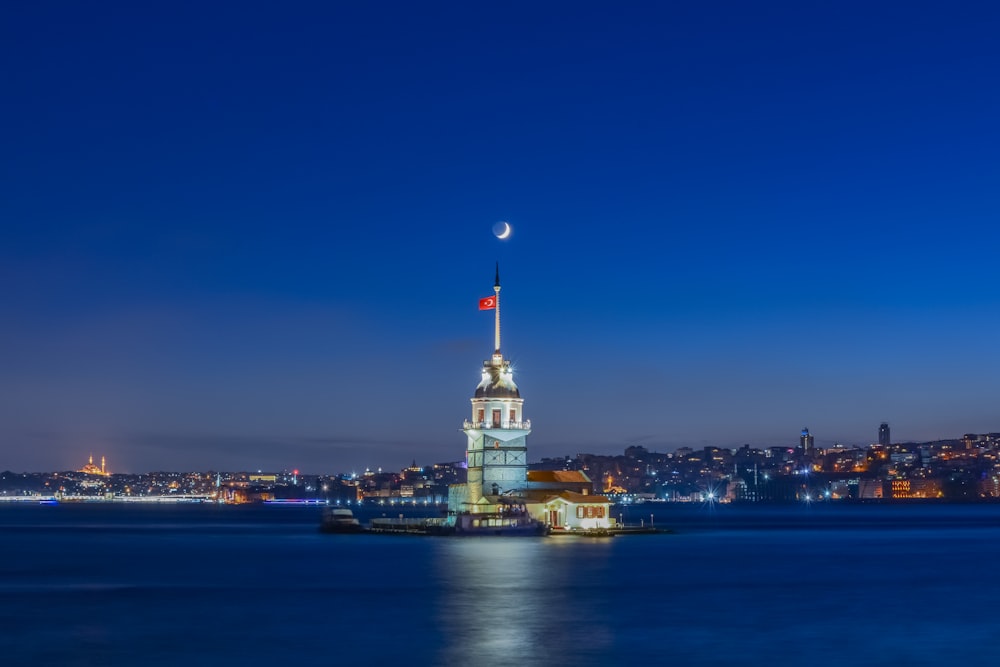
(558, 476)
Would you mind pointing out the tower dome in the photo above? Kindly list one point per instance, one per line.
(497, 382)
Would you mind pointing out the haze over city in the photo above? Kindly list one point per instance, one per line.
(247, 236)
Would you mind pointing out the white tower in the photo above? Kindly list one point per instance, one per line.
(496, 454)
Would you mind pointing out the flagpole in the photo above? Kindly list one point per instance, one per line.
(496, 290)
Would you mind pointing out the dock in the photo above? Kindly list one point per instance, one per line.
(614, 531)
(402, 526)
(433, 526)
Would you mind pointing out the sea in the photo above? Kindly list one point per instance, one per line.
(810, 585)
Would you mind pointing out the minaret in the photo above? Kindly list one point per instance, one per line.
(496, 453)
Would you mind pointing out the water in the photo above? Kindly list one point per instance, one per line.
(192, 585)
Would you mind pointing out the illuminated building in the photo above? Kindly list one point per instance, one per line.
(805, 440)
(883, 435)
(497, 494)
(91, 469)
(496, 450)
(563, 499)
(898, 488)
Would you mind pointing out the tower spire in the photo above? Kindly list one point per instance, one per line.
(496, 289)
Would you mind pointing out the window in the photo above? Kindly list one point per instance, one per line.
(590, 512)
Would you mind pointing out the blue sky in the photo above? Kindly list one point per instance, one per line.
(254, 236)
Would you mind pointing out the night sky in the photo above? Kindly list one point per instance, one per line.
(254, 235)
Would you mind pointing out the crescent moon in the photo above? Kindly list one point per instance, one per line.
(506, 231)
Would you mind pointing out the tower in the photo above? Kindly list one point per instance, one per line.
(496, 452)
(805, 440)
(883, 435)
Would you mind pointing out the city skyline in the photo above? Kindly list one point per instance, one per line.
(802, 447)
(254, 238)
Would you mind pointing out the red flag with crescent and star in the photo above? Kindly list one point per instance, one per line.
(489, 303)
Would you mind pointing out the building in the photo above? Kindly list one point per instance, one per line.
(496, 496)
(806, 440)
(568, 510)
(91, 469)
(496, 432)
(565, 500)
(883, 435)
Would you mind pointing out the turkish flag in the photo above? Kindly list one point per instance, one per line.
(489, 303)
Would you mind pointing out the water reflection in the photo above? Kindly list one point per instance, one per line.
(520, 601)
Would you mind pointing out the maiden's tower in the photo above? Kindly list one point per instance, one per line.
(496, 453)
(501, 496)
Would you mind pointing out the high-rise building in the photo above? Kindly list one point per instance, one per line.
(805, 440)
(883, 435)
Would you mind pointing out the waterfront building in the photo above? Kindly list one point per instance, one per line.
(496, 435)
(564, 500)
(568, 510)
(496, 493)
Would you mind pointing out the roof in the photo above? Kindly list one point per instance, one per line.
(497, 383)
(558, 476)
(580, 498)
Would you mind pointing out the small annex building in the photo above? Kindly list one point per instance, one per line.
(568, 510)
(564, 500)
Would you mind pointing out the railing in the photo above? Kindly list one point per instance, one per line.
(483, 426)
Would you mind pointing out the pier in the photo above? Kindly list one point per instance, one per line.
(412, 526)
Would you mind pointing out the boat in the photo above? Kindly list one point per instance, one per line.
(337, 520)
(509, 525)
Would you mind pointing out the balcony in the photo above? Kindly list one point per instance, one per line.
(504, 426)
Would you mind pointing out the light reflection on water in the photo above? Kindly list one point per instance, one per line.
(511, 601)
(775, 587)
